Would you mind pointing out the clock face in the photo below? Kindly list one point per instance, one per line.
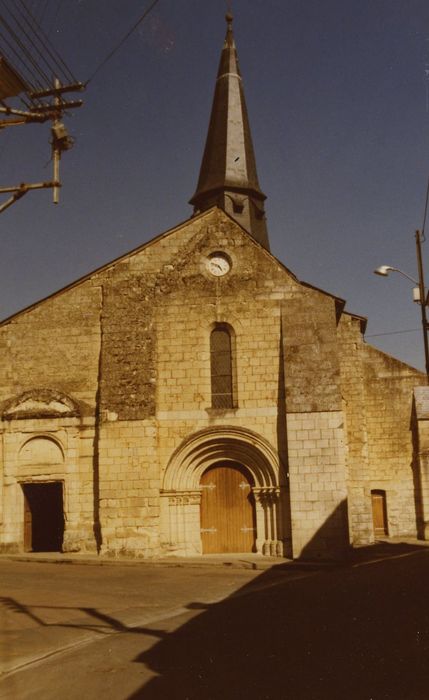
(218, 264)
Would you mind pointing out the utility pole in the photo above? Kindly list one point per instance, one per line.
(423, 300)
(42, 111)
(419, 293)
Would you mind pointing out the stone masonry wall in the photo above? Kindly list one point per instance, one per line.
(51, 349)
(312, 372)
(132, 289)
(377, 391)
(421, 458)
(389, 386)
(159, 310)
(130, 345)
(247, 299)
(354, 402)
(54, 345)
(315, 430)
(46, 450)
(317, 484)
(129, 483)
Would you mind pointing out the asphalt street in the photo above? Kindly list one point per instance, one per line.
(359, 630)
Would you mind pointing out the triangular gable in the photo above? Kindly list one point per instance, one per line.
(136, 251)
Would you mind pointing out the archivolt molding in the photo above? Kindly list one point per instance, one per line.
(39, 441)
(40, 403)
(230, 319)
(222, 444)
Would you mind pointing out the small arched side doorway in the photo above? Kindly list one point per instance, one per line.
(228, 517)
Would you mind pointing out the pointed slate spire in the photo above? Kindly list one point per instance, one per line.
(228, 177)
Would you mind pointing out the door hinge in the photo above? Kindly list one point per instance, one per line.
(208, 529)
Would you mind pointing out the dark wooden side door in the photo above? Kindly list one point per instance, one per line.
(43, 517)
(228, 522)
(28, 529)
(379, 512)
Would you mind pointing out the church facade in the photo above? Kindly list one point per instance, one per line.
(194, 396)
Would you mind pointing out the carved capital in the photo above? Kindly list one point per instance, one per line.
(182, 498)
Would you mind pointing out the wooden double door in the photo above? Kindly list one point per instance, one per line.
(228, 519)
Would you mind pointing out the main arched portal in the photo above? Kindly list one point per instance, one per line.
(224, 490)
(228, 516)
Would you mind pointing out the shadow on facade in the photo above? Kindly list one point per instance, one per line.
(96, 450)
(417, 482)
(352, 632)
(284, 513)
(330, 542)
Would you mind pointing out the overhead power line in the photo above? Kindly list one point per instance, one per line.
(29, 71)
(425, 213)
(25, 45)
(376, 335)
(42, 13)
(32, 72)
(54, 17)
(46, 43)
(123, 40)
(28, 49)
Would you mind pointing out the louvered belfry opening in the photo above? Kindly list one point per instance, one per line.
(221, 367)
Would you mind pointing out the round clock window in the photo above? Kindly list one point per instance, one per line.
(218, 264)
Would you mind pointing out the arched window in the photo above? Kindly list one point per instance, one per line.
(221, 367)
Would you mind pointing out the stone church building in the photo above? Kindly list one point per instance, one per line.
(193, 396)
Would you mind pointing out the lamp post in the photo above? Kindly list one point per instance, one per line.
(419, 293)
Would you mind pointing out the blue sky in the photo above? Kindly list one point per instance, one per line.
(338, 102)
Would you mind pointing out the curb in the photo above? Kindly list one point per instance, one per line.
(252, 564)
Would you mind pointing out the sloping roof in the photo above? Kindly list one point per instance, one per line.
(11, 83)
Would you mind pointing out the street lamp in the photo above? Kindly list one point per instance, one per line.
(419, 293)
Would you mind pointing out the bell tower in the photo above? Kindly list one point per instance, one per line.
(228, 177)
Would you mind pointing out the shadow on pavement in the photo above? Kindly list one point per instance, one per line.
(358, 632)
(383, 549)
(355, 630)
(94, 620)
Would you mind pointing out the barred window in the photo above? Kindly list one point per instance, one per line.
(221, 367)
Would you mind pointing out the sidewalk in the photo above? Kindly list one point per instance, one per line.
(256, 562)
(382, 548)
